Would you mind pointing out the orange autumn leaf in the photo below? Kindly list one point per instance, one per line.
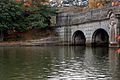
(18, 0)
(117, 51)
(27, 4)
(118, 37)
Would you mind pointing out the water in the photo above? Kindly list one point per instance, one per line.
(59, 63)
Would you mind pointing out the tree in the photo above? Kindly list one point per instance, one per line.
(18, 16)
(39, 15)
(11, 16)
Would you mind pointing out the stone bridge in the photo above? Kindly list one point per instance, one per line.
(95, 27)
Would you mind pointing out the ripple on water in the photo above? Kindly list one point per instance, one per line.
(46, 63)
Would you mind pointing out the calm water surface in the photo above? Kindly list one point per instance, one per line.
(59, 63)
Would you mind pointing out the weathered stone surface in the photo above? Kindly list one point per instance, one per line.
(88, 23)
(79, 18)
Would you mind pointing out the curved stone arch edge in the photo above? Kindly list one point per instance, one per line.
(95, 33)
(76, 28)
(75, 33)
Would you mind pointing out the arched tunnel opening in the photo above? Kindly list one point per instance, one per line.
(79, 38)
(100, 38)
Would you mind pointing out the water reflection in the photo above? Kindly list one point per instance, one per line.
(24, 64)
(59, 63)
(70, 64)
(97, 63)
(114, 64)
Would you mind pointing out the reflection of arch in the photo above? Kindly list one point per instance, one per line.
(100, 51)
(100, 38)
(78, 38)
(79, 51)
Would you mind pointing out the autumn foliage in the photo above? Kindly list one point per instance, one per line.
(118, 50)
(118, 37)
(20, 16)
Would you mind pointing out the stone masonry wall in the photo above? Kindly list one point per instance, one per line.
(88, 23)
(65, 19)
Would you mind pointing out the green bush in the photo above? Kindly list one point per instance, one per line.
(15, 16)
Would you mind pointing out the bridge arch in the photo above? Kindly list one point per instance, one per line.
(78, 38)
(100, 38)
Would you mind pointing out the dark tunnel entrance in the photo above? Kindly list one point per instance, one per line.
(79, 38)
(100, 38)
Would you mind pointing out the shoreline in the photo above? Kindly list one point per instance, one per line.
(42, 44)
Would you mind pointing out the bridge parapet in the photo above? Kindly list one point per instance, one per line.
(66, 19)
